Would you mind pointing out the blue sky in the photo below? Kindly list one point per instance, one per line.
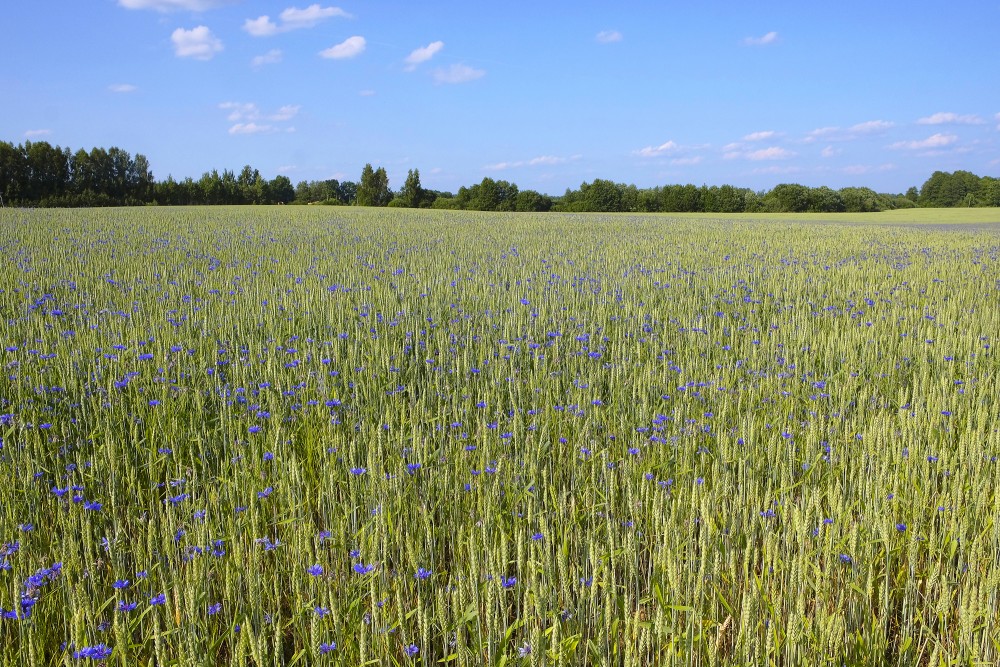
(544, 94)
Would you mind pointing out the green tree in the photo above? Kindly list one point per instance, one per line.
(412, 194)
(373, 189)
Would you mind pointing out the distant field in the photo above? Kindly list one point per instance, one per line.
(909, 216)
(317, 435)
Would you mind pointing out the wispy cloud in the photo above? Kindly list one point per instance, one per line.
(122, 88)
(31, 134)
(174, 5)
(349, 48)
(286, 112)
(949, 118)
(763, 40)
(760, 136)
(247, 118)
(870, 127)
(458, 74)
(608, 36)
(198, 43)
(654, 151)
(830, 151)
(770, 153)
(270, 58)
(422, 55)
(292, 18)
(862, 169)
(775, 170)
(934, 141)
(686, 161)
(367, 93)
(998, 120)
(867, 128)
(250, 128)
(542, 160)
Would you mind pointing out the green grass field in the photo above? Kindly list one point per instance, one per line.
(314, 435)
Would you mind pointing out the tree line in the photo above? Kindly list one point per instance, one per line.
(39, 174)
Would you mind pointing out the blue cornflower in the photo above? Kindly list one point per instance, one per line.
(508, 582)
(97, 652)
(537, 536)
(901, 527)
(177, 499)
(844, 558)
(268, 456)
(254, 429)
(315, 570)
(358, 471)
(354, 553)
(159, 598)
(412, 650)
(326, 648)
(214, 609)
(93, 506)
(422, 573)
(412, 467)
(126, 607)
(265, 493)
(361, 568)
(120, 584)
(321, 611)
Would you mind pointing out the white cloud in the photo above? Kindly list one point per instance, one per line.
(830, 151)
(776, 170)
(198, 43)
(764, 40)
(760, 136)
(541, 160)
(772, 153)
(653, 151)
(31, 134)
(174, 5)
(934, 141)
(949, 118)
(122, 88)
(261, 26)
(870, 127)
(349, 48)
(250, 128)
(422, 54)
(457, 74)
(609, 36)
(292, 18)
(861, 169)
(240, 110)
(546, 160)
(286, 112)
(270, 58)
(851, 133)
(247, 118)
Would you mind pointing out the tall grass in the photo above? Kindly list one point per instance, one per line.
(466, 439)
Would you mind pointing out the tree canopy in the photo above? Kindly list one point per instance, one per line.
(39, 174)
